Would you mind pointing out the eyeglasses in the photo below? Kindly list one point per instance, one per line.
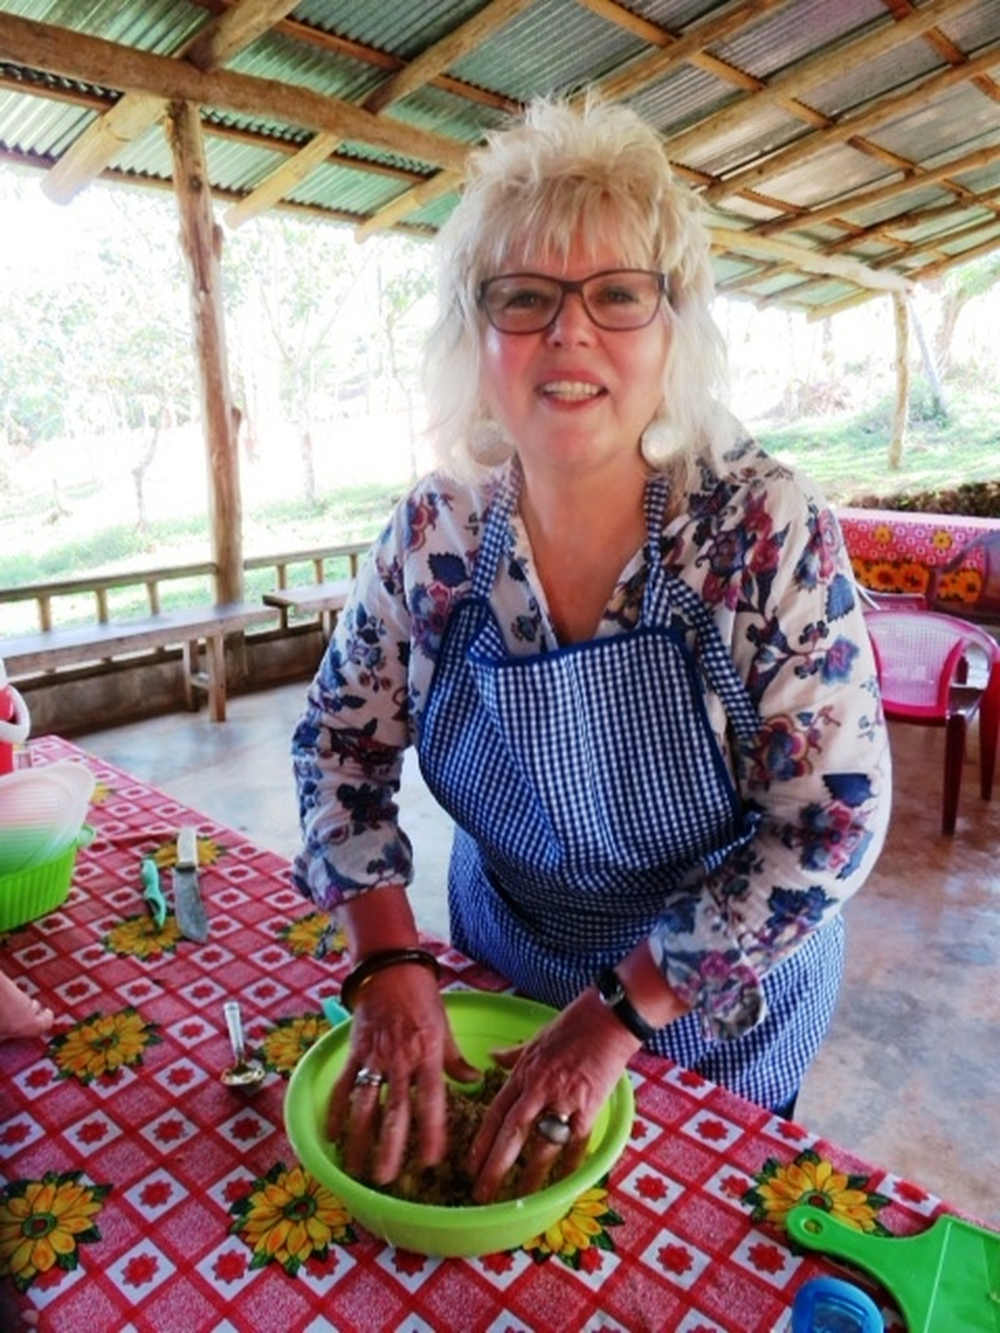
(616, 298)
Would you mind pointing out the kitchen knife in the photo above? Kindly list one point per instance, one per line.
(188, 907)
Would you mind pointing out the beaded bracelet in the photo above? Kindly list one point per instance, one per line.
(360, 976)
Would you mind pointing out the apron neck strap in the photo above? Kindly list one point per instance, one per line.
(655, 499)
(496, 534)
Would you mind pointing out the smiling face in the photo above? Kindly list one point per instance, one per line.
(575, 397)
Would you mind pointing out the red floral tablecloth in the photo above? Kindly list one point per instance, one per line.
(893, 551)
(137, 1192)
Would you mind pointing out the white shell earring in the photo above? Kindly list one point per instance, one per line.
(659, 442)
(488, 442)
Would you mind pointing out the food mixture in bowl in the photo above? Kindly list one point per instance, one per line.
(449, 1183)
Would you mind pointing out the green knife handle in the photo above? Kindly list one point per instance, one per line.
(152, 892)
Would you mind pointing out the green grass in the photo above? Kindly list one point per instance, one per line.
(848, 456)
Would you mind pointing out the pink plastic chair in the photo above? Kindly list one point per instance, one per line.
(924, 660)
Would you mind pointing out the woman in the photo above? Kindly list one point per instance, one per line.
(626, 646)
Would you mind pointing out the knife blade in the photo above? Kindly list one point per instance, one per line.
(188, 907)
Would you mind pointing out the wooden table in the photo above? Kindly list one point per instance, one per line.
(171, 1200)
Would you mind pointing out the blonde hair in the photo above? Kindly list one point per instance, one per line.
(600, 172)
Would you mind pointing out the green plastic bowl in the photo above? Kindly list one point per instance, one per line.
(29, 894)
(480, 1022)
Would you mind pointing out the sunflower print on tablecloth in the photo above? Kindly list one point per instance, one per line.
(288, 1217)
(313, 936)
(101, 1044)
(140, 936)
(44, 1222)
(286, 1042)
(814, 1180)
(576, 1237)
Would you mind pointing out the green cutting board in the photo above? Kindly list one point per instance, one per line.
(946, 1280)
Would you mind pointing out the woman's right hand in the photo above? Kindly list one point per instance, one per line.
(399, 1030)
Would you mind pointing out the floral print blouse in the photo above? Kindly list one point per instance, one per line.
(759, 545)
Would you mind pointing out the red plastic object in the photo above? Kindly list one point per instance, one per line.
(14, 721)
(923, 657)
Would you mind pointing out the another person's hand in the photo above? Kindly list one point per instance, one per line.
(567, 1069)
(400, 1031)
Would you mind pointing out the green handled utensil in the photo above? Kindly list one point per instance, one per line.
(152, 892)
(944, 1280)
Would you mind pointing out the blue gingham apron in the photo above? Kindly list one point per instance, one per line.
(586, 784)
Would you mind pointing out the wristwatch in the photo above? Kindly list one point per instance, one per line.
(614, 995)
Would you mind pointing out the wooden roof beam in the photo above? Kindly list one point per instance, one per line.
(943, 44)
(306, 34)
(429, 63)
(733, 286)
(940, 265)
(133, 114)
(823, 65)
(851, 123)
(732, 241)
(101, 102)
(444, 53)
(845, 303)
(164, 184)
(677, 51)
(935, 242)
(987, 199)
(615, 13)
(409, 202)
(93, 60)
(811, 216)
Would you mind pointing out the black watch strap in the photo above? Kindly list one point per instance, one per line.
(612, 992)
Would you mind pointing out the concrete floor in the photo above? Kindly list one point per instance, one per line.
(909, 1077)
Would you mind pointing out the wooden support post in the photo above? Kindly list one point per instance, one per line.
(902, 380)
(201, 240)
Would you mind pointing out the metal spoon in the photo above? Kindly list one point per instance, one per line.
(243, 1073)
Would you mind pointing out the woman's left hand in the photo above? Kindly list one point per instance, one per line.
(567, 1069)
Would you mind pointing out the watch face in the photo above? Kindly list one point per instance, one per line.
(610, 987)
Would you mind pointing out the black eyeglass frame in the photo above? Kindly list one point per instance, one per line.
(574, 285)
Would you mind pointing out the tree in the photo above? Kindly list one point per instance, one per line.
(961, 285)
(399, 292)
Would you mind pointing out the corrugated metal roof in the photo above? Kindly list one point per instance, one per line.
(444, 113)
(345, 48)
(37, 125)
(355, 191)
(781, 38)
(682, 98)
(553, 46)
(813, 183)
(871, 78)
(968, 121)
(404, 29)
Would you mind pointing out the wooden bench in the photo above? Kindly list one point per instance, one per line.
(72, 645)
(322, 599)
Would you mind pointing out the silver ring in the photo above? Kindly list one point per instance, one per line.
(368, 1078)
(554, 1127)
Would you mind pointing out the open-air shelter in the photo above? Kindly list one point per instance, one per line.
(844, 151)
